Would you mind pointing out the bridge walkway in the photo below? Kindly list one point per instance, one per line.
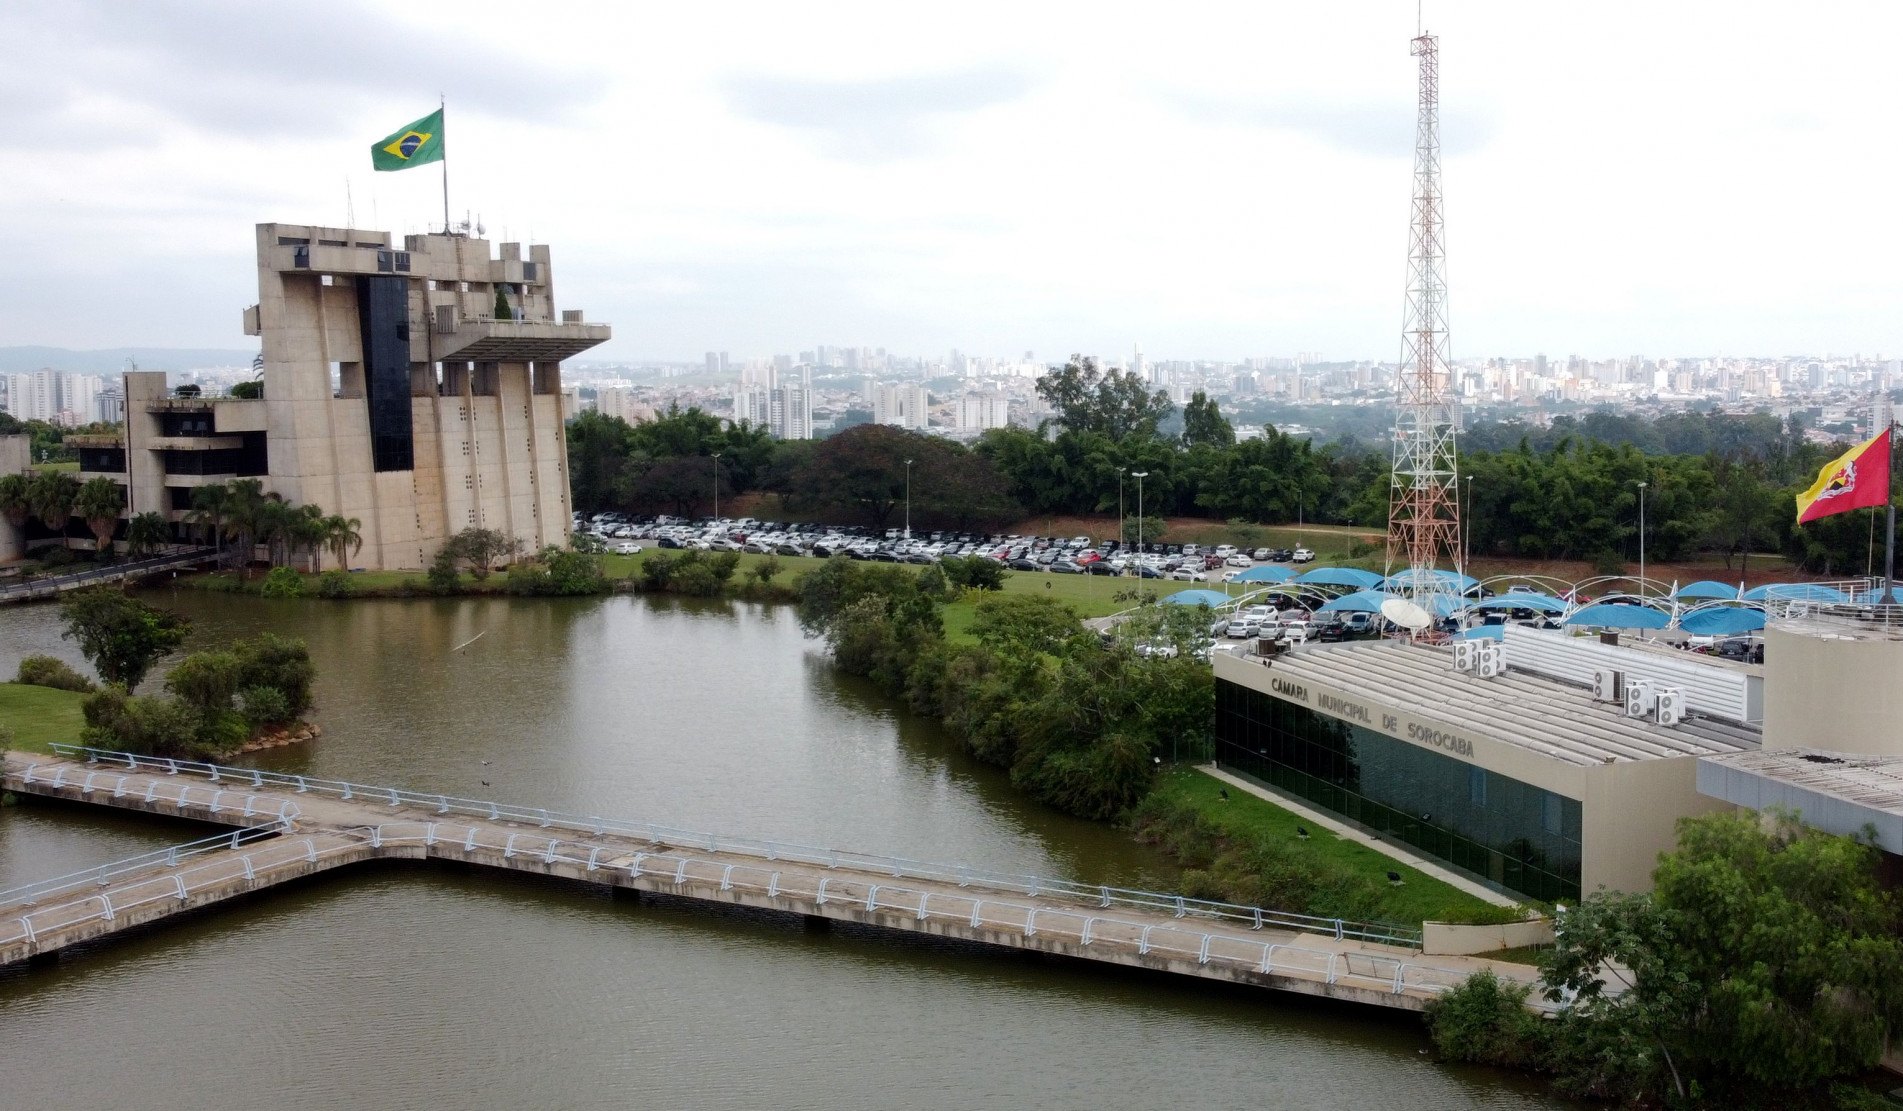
(297, 833)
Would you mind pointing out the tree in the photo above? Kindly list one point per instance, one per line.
(245, 515)
(599, 448)
(209, 506)
(1204, 424)
(861, 469)
(343, 536)
(51, 493)
(1766, 959)
(16, 499)
(121, 636)
(98, 503)
(481, 549)
(146, 533)
(248, 391)
(1111, 403)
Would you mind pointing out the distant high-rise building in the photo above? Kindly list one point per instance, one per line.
(905, 404)
(713, 362)
(984, 409)
(781, 405)
(618, 401)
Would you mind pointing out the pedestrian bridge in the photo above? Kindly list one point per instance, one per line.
(52, 586)
(289, 827)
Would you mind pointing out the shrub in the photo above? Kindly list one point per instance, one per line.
(335, 584)
(206, 680)
(283, 663)
(1485, 1021)
(1358, 548)
(1607, 562)
(973, 572)
(156, 726)
(282, 582)
(764, 570)
(48, 671)
(443, 577)
(264, 706)
(724, 565)
(657, 571)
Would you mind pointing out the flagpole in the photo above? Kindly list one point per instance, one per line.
(441, 106)
(1889, 527)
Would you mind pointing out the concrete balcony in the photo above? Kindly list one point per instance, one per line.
(482, 339)
(193, 443)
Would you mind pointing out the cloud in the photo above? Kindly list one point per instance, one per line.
(874, 121)
(1374, 129)
(101, 75)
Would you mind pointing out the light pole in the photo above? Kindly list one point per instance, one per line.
(1466, 524)
(1123, 546)
(716, 489)
(1642, 487)
(908, 499)
(1139, 476)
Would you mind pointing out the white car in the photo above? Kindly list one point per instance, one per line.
(625, 547)
(1186, 575)
(1302, 555)
(1239, 561)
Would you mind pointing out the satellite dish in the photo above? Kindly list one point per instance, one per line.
(1400, 611)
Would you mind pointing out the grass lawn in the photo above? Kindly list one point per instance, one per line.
(71, 466)
(1420, 897)
(38, 716)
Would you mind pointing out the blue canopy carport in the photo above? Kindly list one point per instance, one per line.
(1210, 598)
(1484, 632)
(1618, 615)
(1401, 581)
(1352, 577)
(1795, 592)
(1369, 601)
(1540, 603)
(1266, 573)
(1706, 590)
(1722, 621)
(1877, 597)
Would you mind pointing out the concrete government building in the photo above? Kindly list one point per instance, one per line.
(1547, 764)
(416, 388)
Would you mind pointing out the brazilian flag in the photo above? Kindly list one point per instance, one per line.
(415, 145)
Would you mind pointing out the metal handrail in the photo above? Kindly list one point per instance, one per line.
(283, 810)
(54, 583)
(1102, 894)
(170, 857)
(1381, 972)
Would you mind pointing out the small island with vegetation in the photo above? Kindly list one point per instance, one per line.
(250, 693)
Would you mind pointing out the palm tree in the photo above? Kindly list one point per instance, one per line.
(272, 527)
(244, 515)
(16, 499)
(99, 502)
(146, 533)
(51, 494)
(306, 531)
(209, 506)
(342, 537)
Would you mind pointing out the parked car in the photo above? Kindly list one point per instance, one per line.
(1187, 575)
(1238, 561)
(1302, 555)
(1066, 567)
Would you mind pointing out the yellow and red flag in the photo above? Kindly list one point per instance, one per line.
(1857, 479)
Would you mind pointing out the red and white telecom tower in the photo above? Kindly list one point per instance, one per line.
(1424, 502)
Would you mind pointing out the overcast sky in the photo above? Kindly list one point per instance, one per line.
(1208, 181)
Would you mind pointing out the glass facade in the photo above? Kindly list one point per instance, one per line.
(1519, 837)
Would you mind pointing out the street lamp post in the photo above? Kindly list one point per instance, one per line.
(1466, 524)
(1123, 545)
(716, 488)
(908, 499)
(1642, 487)
(1139, 476)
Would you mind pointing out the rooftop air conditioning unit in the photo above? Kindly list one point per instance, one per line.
(1466, 655)
(1492, 660)
(1639, 698)
(1671, 706)
(1608, 685)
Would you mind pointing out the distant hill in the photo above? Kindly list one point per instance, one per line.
(21, 360)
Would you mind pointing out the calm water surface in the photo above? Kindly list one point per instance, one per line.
(416, 987)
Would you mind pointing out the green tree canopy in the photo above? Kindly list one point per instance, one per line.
(120, 635)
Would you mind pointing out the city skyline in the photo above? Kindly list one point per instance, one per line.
(1624, 181)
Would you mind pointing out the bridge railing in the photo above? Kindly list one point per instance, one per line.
(170, 857)
(1102, 894)
(241, 805)
(53, 584)
(172, 881)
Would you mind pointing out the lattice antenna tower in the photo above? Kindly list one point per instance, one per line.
(1424, 502)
